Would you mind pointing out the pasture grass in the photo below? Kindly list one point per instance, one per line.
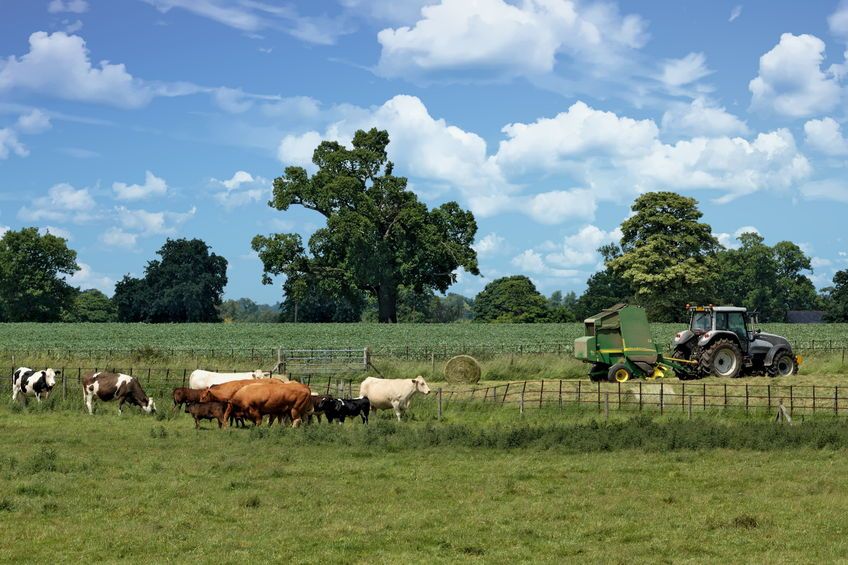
(482, 486)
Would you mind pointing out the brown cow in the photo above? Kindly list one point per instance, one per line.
(275, 400)
(184, 395)
(207, 411)
(224, 391)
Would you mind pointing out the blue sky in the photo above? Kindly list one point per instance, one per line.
(124, 122)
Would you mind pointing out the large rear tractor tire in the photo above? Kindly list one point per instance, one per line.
(722, 359)
(783, 365)
(619, 373)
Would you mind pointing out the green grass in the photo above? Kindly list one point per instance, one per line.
(482, 486)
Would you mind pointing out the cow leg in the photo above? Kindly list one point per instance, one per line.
(396, 407)
(120, 406)
(196, 423)
(88, 397)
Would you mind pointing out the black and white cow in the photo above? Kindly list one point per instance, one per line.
(115, 386)
(27, 382)
(341, 408)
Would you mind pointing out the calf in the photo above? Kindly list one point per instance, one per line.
(27, 382)
(319, 404)
(183, 395)
(207, 411)
(342, 408)
(115, 386)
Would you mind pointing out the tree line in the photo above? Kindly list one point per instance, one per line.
(384, 256)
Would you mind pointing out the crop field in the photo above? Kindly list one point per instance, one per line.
(478, 487)
(383, 338)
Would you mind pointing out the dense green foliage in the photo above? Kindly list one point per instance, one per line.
(511, 300)
(378, 236)
(837, 298)
(92, 306)
(246, 310)
(185, 285)
(32, 270)
(667, 254)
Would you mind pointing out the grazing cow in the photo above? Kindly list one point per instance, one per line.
(392, 393)
(207, 411)
(342, 408)
(27, 382)
(319, 404)
(201, 379)
(115, 386)
(278, 401)
(183, 395)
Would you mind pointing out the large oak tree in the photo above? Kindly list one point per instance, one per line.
(377, 237)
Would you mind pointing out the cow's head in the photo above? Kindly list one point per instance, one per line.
(50, 377)
(150, 407)
(421, 385)
(206, 396)
(260, 374)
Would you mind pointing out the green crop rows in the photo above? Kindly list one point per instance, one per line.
(453, 337)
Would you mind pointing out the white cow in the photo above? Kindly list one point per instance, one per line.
(392, 393)
(201, 379)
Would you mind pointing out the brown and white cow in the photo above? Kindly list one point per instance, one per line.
(115, 386)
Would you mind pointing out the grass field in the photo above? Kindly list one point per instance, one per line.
(480, 487)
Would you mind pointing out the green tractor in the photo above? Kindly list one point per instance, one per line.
(722, 341)
(619, 347)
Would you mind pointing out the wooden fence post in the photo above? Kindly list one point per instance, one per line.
(746, 399)
(662, 400)
(560, 394)
(836, 400)
(599, 395)
(640, 396)
(506, 391)
(791, 402)
(541, 392)
(769, 397)
(578, 394)
(184, 376)
(725, 395)
(439, 392)
(521, 403)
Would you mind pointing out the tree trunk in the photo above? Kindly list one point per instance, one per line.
(387, 303)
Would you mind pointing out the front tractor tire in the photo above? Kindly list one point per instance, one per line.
(722, 359)
(783, 365)
(619, 373)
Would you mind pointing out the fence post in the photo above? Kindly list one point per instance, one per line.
(662, 390)
(791, 402)
(541, 392)
(560, 394)
(769, 398)
(704, 391)
(606, 406)
(184, 376)
(690, 406)
(746, 399)
(506, 391)
(439, 392)
(521, 403)
(433, 364)
(640, 396)
(814, 399)
(683, 397)
(836, 400)
(599, 395)
(725, 395)
(578, 394)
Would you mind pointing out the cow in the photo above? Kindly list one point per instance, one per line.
(341, 408)
(278, 401)
(183, 395)
(200, 379)
(115, 386)
(207, 411)
(319, 403)
(27, 382)
(392, 393)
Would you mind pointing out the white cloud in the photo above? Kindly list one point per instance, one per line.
(74, 6)
(9, 144)
(507, 39)
(732, 241)
(701, 118)
(116, 237)
(58, 65)
(531, 262)
(689, 69)
(87, 278)
(34, 122)
(558, 206)
(58, 232)
(819, 262)
(62, 203)
(242, 188)
(826, 189)
(825, 135)
(73, 27)
(390, 11)
(153, 186)
(298, 149)
(838, 21)
(581, 248)
(152, 223)
(735, 13)
(491, 244)
(791, 81)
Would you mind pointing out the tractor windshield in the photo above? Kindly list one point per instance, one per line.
(701, 322)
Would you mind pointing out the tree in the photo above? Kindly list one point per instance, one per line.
(452, 308)
(185, 285)
(767, 279)
(32, 266)
(92, 306)
(318, 303)
(246, 310)
(377, 237)
(667, 255)
(510, 299)
(836, 298)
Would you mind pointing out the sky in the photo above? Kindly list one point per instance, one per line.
(126, 122)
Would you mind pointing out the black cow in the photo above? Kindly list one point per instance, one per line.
(27, 382)
(319, 405)
(342, 408)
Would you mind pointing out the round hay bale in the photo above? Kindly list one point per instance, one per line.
(462, 369)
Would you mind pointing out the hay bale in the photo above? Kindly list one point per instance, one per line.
(462, 369)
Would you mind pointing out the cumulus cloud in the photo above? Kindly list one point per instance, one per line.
(116, 237)
(58, 232)
(58, 65)
(490, 244)
(732, 241)
(62, 203)
(825, 135)
(73, 6)
(242, 188)
(701, 118)
(33, 122)
(153, 186)
(681, 72)
(507, 39)
(580, 248)
(791, 81)
(152, 223)
(531, 262)
(87, 278)
(559, 206)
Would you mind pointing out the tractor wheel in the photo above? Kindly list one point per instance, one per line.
(680, 353)
(783, 365)
(619, 373)
(723, 359)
